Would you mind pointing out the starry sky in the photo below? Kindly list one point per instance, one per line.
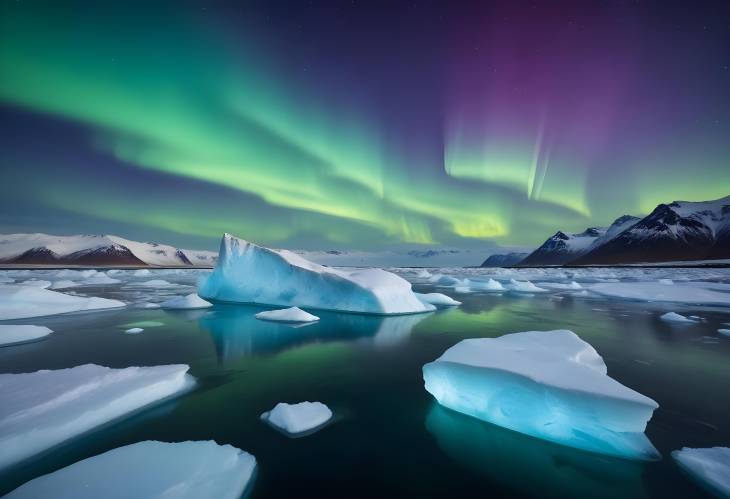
(358, 124)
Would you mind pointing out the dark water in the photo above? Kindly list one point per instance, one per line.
(390, 439)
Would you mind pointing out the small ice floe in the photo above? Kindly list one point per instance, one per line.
(423, 274)
(155, 283)
(724, 332)
(6, 280)
(191, 301)
(651, 291)
(15, 334)
(64, 284)
(142, 324)
(676, 318)
(665, 281)
(298, 419)
(291, 314)
(19, 302)
(488, 285)
(134, 330)
(547, 384)
(141, 273)
(149, 305)
(150, 469)
(44, 408)
(36, 283)
(524, 287)
(571, 286)
(462, 289)
(444, 280)
(99, 280)
(709, 466)
(440, 300)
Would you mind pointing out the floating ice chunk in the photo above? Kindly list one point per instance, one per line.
(150, 469)
(99, 280)
(547, 384)
(444, 280)
(149, 305)
(191, 301)
(36, 283)
(675, 317)
(291, 314)
(63, 284)
(424, 274)
(141, 273)
(489, 285)
(295, 419)
(571, 286)
(18, 302)
(724, 332)
(14, 334)
(6, 280)
(44, 408)
(155, 283)
(134, 330)
(247, 273)
(524, 287)
(651, 291)
(462, 289)
(665, 281)
(438, 299)
(710, 467)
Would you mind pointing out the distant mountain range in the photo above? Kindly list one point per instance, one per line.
(678, 231)
(96, 250)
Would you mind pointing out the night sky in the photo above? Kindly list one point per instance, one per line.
(358, 125)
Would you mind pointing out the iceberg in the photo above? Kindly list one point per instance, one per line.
(150, 469)
(189, 302)
(651, 291)
(20, 302)
(489, 285)
(45, 408)
(63, 284)
(547, 384)
(439, 300)
(677, 318)
(444, 280)
(724, 332)
(247, 273)
(296, 419)
(710, 467)
(16, 334)
(292, 314)
(524, 287)
(134, 330)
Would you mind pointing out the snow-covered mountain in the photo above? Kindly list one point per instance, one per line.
(439, 257)
(505, 260)
(679, 231)
(93, 250)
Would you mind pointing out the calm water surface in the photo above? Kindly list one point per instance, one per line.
(390, 438)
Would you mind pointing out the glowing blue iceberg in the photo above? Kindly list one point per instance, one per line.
(547, 384)
(247, 273)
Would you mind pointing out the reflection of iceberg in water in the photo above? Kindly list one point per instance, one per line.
(529, 465)
(236, 332)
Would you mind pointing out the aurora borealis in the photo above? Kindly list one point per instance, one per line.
(358, 125)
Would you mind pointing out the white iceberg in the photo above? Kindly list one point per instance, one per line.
(547, 384)
(665, 281)
(141, 273)
(19, 302)
(724, 332)
(150, 469)
(291, 314)
(36, 283)
(424, 274)
(63, 284)
(675, 317)
(134, 330)
(45, 408)
(155, 283)
(247, 273)
(188, 302)
(295, 419)
(710, 467)
(444, 280)
(489, 285)
(439, 300)
(652, 291)
(14, 334)
(524, 287)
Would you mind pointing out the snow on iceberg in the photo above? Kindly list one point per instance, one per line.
(291, 314)
(44, 408)
(19, 302)
(524, 287)
(295, 419)
(547, 384)
(247, 273)
(15, 334)
(134, 330)
(677, 318)
(150, 469)
(651, 291)
(439, 300)
(710, 467)
(191, 301)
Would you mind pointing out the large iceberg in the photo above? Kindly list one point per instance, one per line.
(547, 384)
(247, 273)
(150, 469)
(44, 408)
(710, 467)
(19, 302)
